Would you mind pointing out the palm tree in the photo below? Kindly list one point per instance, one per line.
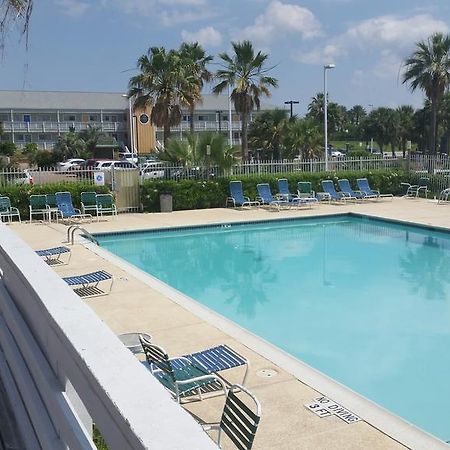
(266, 133)
(304, 137)
(244, 71)
(13, 11)
(195, 62)
(406, 121)
(428, 68)
(164, 85)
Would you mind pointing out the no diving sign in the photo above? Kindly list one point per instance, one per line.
(325, 407)
(99, 178)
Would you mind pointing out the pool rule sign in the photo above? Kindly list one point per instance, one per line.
(325, 407)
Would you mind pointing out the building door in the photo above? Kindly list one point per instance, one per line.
(27, 118)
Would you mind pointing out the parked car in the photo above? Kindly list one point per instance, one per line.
(152, 171)
(128, 156)
(108, 165)
(23, 177)
(336, 154)
(64, 166)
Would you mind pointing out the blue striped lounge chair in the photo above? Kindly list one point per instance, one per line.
(237, 197)
(346, 189)
(88, 284)
(265, 197)
(52, 256)
(293, 199)
(364, 187)
(66, 209)
(332, 194)
(193, 374)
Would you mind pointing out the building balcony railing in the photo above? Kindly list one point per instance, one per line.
(56, 127)
(206, 126)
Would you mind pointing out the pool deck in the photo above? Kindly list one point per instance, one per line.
(137, 304)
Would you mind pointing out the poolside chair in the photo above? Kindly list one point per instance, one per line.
(53, 255)
(293, 199)
(180, 376)
(66, 209)
(38, 206)
(240, 418)
(265, 196)
(332, 194)
(52, 207)
(443, 195)
(88, 283)
(7, 211)
(88, 202)
(305, 190)
(237, 198)
(346, 189)
(414, 190)
(363, 186)
(105, 205)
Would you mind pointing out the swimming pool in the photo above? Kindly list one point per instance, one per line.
(363, 301)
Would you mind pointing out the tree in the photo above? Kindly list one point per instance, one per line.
(70, 145)
(13, 12)
(335, 113)
(91, 136)
(428, 68)
(303, 137)
(7, 148)
(381, 125)
(247, 74)
(406, 122)
(194, 62)
(266, 133)
(164, 84)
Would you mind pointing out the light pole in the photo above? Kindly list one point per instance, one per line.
(325, 103)
(291, 102)
(371, 139)
(230, 131)
(130, 115)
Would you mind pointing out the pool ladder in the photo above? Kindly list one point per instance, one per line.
(71, 234)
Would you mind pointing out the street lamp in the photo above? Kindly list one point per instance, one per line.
(230, 131)
(130, 114)
(291, 102)
(371, 139)
(325, 101)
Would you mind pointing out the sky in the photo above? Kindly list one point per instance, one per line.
(93, 45)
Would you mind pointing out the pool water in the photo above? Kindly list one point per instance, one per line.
(365, 301)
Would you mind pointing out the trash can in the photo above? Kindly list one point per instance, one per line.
(165, 202)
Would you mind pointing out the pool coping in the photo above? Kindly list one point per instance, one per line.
(375, 415)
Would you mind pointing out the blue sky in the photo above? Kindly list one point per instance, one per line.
(93, 45)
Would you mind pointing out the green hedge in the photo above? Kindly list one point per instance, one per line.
(193, 194)
(20, 195)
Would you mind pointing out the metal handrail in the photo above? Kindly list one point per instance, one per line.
(71, 233)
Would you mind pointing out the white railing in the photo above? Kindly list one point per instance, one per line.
(205, 126)
(64, 369)
(54, 127)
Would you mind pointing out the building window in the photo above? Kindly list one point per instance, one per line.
(71, 118)
(28, 138)
(42, 137)
(106, 118)
(27, 118)
(185, 118)
(20, 137)
(113, 118)
(201, 118)
(92, 118)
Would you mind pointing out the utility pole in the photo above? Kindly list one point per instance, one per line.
(291, 102)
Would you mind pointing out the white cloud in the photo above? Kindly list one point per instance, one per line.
(73, 8)
(166, 12)
(207, 36)
(377, 34)
(280, 20)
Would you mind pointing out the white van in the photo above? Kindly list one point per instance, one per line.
(128, 156)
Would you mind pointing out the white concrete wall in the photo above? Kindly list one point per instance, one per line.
(49, 338)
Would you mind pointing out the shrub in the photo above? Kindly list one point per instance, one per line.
(190, 194)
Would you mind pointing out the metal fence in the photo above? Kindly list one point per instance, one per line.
(436, 168)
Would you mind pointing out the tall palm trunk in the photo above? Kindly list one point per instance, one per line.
(244, 126)
(166, 133)
(433, 130)
(191, 117)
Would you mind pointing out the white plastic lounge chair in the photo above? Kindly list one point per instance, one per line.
(88, 283)
(443, 196)
(52, 256)
(240, 418)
